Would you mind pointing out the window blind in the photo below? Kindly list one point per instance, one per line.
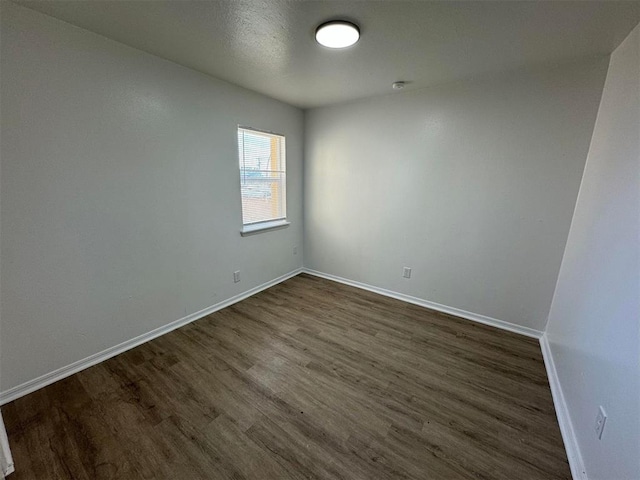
(262, 176)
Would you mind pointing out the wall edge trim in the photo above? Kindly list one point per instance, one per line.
(6, 460)
(75, 367)
(569, 438)
(493, 322)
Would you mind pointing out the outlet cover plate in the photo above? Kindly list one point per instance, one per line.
(601, 420)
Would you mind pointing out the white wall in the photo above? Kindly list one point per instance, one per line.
(120, 193)
(594, 323)
(472, 185)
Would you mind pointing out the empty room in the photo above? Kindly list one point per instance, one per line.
(278, 239)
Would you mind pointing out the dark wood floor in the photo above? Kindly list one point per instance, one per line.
(309, 379)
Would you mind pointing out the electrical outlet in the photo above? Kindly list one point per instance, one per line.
(236, 276)
(406, 272)
(295, 250)
(601, 420)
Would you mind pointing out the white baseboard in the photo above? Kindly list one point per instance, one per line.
(562, 412)
(566, 428)
(494, 322)
(59, 374)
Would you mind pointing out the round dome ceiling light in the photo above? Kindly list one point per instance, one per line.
(337, 34)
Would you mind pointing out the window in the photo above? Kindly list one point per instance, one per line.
(262, 179)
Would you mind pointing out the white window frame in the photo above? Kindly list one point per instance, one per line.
(271, 224)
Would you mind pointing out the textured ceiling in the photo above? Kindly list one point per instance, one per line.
(268, 45)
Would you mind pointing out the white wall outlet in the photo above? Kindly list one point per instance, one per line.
(601, 419)
(236, 276)
(295, 250)
(406, 272)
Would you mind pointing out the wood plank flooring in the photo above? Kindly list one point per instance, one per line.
(309, 379)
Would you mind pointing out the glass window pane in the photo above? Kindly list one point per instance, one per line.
(262, 176)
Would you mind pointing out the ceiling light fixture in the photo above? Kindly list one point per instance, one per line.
(337, 34)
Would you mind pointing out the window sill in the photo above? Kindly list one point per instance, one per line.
(263, 227)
